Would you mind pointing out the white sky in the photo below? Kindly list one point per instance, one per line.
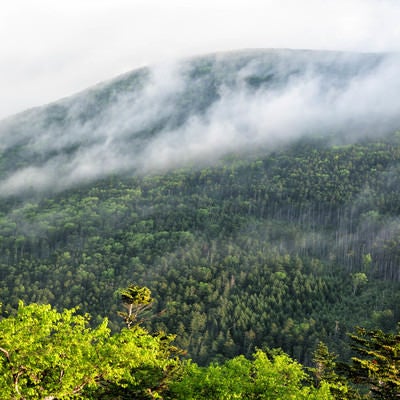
(50, 49)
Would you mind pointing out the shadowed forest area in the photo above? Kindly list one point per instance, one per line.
(255, 195)
(280, 250)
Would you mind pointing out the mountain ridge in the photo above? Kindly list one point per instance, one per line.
(257, 200)
(195, 110)
(243, 51)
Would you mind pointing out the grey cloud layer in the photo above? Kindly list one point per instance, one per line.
(196, 111)
(53, 49)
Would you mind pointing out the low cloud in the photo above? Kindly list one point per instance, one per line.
(196, 111)
(54, 49)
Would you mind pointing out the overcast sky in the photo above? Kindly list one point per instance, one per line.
(50, 49)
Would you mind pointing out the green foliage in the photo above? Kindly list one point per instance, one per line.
(324, 364)
(326, 372)
(358, 279)
(377, 364)
(267, 250)
(278, 377)
(46, 354)
(136, 299)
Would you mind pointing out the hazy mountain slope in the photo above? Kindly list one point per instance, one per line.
(195, 111)
(281, 250)
(291, 237)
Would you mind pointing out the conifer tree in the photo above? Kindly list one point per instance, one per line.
(136, 299)
(378, 362)
(326, 371)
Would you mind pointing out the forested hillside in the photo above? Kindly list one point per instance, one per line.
(195, 112)
(256, 194)
(269, 249)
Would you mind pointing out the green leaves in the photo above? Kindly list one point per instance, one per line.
(136, 295)
(378, 362)
(136, 299)
(285, 238)
(275, 377)
(358, 279)
(44, 353)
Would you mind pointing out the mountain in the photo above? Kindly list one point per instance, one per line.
(196, 111)
(255, 193)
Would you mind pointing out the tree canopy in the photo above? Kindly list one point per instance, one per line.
(46, 354)
(275, 249)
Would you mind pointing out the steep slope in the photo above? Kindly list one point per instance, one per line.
(195, 111)
(282, 250)
(279, 228)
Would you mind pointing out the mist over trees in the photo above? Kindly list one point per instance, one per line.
(280, 250)
(49, 354)
(195, 111)
(252, 194)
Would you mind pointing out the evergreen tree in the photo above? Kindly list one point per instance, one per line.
(378, 362)
(136, 300)
(325, 371)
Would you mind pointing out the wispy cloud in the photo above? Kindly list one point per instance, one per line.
(53, 49)
(195, 112)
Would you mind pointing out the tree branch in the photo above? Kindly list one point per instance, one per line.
(6, 353)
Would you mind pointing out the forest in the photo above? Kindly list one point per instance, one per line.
(225, 227)
(272, 249)
(45, 354)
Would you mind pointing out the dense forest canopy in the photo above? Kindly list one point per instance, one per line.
(270, 240)
(197, 111)
(56, 355)
(280, 250)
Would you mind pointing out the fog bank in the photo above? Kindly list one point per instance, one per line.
(195, 111)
